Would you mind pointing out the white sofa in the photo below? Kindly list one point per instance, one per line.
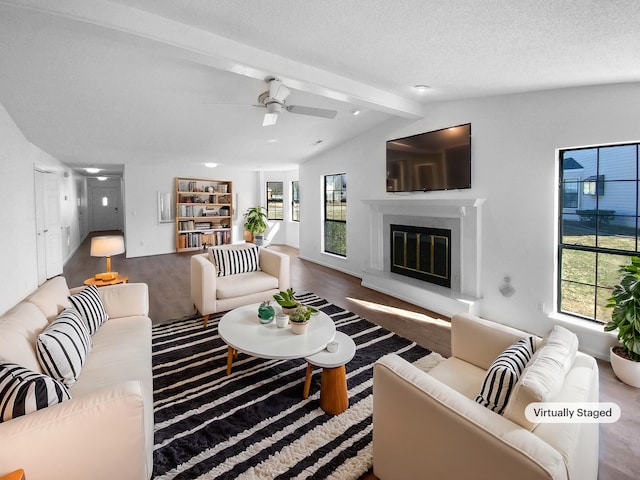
(106, 430)
(211, 293)
(428, 425)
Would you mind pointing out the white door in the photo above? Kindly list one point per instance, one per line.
(105, 208)
(48, 228)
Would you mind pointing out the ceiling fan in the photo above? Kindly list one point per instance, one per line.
(274, 101)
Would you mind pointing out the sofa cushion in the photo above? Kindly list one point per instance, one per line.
(23, 391)
(91, 308)
(19, 329)
(63, 347)
(543, 378)
(232, 261)
(244, 284)
(52, 297)
(503, 374)
(462, 376)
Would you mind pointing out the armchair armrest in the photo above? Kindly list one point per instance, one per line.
(479, 341)
(422, 425)
(99, 435)
(203, 284)
(276, 264)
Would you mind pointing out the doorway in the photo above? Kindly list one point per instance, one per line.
(106, 207)
(48, 226)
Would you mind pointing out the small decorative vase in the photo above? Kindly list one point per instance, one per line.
(299, 328)
(282, 320)
(266, 312)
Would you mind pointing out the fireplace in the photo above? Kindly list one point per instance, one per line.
(421, 252)
(462, 216)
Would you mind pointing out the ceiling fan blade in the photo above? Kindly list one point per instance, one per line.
(314, 112)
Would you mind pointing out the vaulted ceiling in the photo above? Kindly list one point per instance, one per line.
(151, 81)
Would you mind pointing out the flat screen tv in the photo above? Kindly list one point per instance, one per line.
(438, 160)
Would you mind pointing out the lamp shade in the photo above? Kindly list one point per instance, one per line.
(107, 245)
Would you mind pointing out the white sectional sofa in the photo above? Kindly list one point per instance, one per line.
(429, 424)
(105, 431)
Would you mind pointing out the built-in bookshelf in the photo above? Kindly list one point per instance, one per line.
(204, 210)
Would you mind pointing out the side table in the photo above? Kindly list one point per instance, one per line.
(334, 398)
(17, 475)
(102, 283)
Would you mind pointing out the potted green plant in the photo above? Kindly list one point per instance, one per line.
(287, 300)
(625, 317)
(255, 222)
(299, 319)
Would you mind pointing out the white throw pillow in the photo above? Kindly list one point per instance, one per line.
(503, 373)
(543, 378)
(231, 261)
(23, 391)
(91, 308)
(63, 347)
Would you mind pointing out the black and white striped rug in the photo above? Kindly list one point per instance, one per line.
(254, 423)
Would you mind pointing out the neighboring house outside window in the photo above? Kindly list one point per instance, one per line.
(295, 201)
(598, 198)
(335, 214)
(275, 205)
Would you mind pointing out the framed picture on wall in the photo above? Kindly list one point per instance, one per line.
(166, 209)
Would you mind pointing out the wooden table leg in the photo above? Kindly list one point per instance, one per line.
(231, 354)
(334, 398)
(307, 381)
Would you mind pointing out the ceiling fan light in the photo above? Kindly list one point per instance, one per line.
(269, 119)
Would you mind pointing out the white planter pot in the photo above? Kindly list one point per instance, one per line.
(299, 328)
(627, 371)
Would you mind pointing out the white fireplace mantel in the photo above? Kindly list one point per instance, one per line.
(464, 214)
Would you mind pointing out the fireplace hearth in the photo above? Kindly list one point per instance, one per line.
(421, 252)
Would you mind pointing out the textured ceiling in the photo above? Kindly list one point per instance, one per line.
(153, 81)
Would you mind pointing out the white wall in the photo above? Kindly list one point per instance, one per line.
(18, 158)
(144, 234)
(514, 143)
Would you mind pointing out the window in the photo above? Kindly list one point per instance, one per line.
(274, 201)
(598, 226)
(335, 214)
(295, 201)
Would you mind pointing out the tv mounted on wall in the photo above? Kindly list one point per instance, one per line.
(438, 160)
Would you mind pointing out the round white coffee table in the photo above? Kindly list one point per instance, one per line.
(334, 398)
(242, 331)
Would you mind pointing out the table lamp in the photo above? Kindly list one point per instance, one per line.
(106, 246)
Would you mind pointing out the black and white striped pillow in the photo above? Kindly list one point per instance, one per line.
(236, 260)
(63, 347)
(91, 308)
(23, 391)
(503, 375)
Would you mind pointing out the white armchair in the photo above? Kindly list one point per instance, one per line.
(211, 294)
(428, 424)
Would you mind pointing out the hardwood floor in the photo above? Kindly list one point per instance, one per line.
(169, 292)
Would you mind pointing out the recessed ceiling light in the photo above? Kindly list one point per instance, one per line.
(421, 88)
(272, 140)
(354, 111)
(92, 170)
(210, 165)
(102, 179)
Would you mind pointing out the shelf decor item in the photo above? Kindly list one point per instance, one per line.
(266, 312)
(625, 317)
(255, 222)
